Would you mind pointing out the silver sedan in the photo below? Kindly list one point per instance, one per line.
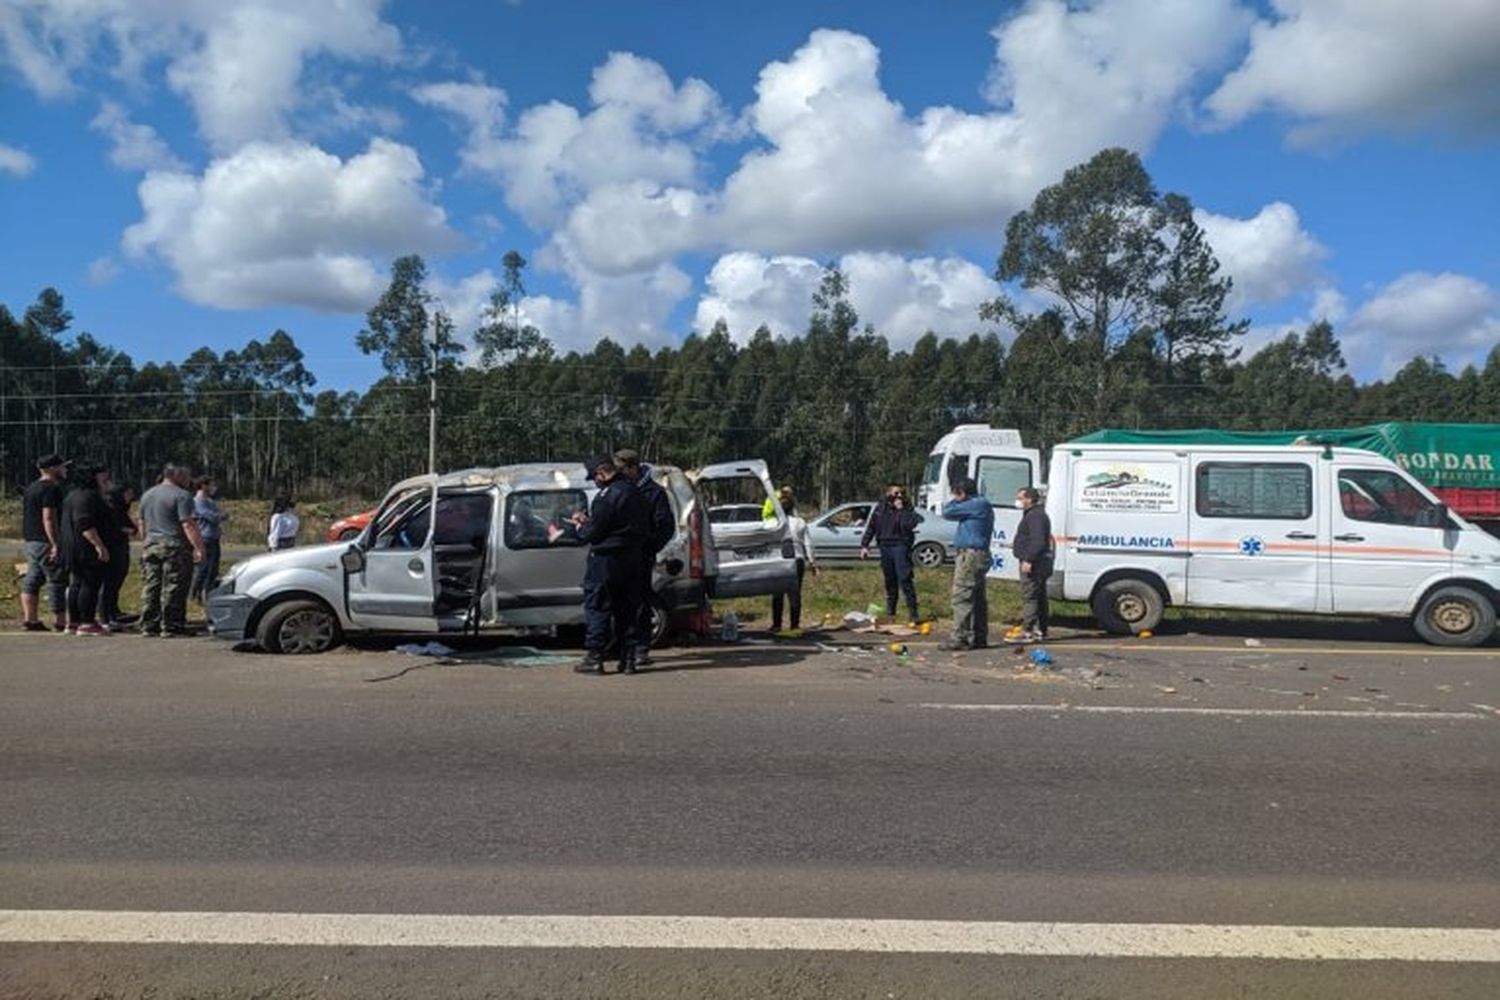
(835, 535)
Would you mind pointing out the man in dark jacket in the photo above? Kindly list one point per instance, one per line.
(663, 527)
(893, 526)
(616, 530)
(1033, 551)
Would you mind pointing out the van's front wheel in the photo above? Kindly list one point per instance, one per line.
(1128, 606)
(298, 627)
(1455, 616)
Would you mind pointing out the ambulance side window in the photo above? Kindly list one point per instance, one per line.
(1266, 491)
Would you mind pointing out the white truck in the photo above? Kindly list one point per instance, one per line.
(999, 464)
(1295, 528)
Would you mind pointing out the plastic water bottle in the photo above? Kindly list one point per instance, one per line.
(730, 632)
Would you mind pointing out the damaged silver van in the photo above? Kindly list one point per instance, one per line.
(469, 551)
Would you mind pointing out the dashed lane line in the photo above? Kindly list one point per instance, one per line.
(700, 933)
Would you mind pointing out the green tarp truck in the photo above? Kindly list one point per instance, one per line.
(1460, 463)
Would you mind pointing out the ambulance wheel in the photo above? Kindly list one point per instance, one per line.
(297, 627)
(1455, 616)
(1128, 605)
(927, 555)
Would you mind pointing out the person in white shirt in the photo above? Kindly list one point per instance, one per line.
(807, 559)
(284, 524)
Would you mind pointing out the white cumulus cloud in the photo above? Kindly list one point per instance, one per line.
(132, 146)
(1269, 256)
(1451, 316)
(902, 298)
(1355, 64)
(16, 162)
(288, 224)
(239, 65)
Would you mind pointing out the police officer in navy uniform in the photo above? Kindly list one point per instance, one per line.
(616, 529)
(663, 527)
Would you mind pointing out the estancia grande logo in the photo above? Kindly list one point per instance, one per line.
(1128, 487)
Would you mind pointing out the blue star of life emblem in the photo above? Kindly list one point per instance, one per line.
(1252, 545)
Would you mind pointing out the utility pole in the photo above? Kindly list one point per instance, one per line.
(432, 402)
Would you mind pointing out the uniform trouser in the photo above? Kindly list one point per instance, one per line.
(611, 599)
(794, 598)
(206, 573)
(39, 568)
(84, 584)
(971, 607)
(895, 563)
(643, 622)
(115, 572)
(167, 570)
(1034, 610)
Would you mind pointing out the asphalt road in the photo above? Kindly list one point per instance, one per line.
(1188, 780)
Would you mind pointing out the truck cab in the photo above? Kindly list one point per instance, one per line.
(999, 464)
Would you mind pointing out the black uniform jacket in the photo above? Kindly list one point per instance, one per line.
(618, 520)
(889, 526)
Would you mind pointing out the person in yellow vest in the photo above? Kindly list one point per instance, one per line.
(785, 496)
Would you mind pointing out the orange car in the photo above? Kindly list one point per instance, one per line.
(351, 527)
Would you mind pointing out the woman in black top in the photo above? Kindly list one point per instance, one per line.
(86, 520)
(121, 530)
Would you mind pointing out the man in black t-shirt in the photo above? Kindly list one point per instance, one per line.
(41, 527)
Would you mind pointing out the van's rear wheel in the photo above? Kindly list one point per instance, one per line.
(1128, 606)
(298, 627)
(661, 622)
(1455, 616)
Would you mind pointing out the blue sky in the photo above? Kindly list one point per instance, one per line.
(196, 173)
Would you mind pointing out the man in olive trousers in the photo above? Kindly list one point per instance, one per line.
(173, 544)
(971, 565)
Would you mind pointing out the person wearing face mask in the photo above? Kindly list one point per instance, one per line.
(892, 527)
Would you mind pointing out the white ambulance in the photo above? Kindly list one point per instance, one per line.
(999, 464)
(1297, 528)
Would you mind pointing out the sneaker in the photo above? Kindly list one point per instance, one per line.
(1021, 638)
(153, 633)
(955, 646)
(91, 628)
(35, 627)
(71, 629)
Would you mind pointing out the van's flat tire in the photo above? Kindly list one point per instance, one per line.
(297, 628)
(1455, 616)
(1128, 605)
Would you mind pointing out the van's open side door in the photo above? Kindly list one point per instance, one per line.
(390, 579)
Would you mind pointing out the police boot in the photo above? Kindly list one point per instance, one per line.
(592, 663)
(628, 662)
(643, 656)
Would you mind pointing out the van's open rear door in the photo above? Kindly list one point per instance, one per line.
(754, 551)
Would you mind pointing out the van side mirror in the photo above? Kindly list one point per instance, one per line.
(353, 560)
(1441, 518)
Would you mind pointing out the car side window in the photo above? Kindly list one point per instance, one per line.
(531, 516)
(850, 517)
(1380, 496)
(463, 519)
(1262, 491)
(404, 522)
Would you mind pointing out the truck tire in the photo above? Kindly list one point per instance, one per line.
(927, 555)
(1455, 616)
(1128, 605)
(298, 627)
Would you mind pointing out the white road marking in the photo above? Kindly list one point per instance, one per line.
(394, 930)
(1289, 713)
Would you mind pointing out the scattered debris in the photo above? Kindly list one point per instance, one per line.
(1165, 689)
(1145, 633)
(423, 649)
(1041, 657)
(1254, 643)
(1340, 677)
(858, 619)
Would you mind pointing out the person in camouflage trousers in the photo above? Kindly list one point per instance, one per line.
(173, 545)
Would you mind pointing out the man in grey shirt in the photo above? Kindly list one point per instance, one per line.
(173, 544)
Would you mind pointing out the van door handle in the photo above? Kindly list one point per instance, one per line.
(1348, 538)
(1302, 535)
(415, 566)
